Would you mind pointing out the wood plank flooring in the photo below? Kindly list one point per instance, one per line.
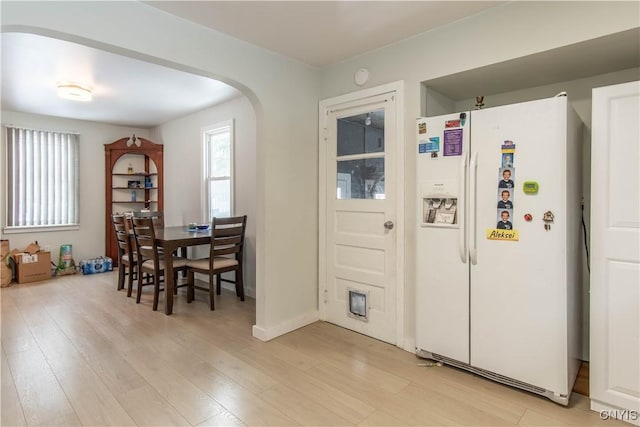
(77, 352)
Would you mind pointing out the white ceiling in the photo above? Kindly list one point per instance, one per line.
(131, 92)
(126, 91)
(322, 33)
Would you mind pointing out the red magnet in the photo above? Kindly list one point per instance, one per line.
(528, 217)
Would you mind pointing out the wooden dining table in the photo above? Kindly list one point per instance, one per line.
(172, 238)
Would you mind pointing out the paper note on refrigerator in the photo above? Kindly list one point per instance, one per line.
(498, 234)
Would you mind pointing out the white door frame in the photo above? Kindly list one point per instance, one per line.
(346, 101)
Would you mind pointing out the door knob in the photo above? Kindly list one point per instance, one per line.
(388, 225)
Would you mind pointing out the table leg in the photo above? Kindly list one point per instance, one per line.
(183, 254)
(168, 280)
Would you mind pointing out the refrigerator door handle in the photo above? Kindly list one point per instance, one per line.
(473, 250)
(462, 242)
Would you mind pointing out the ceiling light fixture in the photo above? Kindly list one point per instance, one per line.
(367, 121)
(74, 91)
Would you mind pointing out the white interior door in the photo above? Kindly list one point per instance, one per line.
(615, 251)
(360, 181)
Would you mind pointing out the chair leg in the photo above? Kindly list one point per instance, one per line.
(175, 283)
(239, 283)
(156, 292)
(190, 284)
(211, 290)
(183, 254)
(218, 283)
(140, 279)
(130, 279)
(121, 273)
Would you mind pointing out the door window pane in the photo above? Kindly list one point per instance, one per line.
(360, 179)
(361, 134)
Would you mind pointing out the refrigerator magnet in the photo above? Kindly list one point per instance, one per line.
(433, 144)
(507, 160)
(504, 219)
(530, 187)
(452, 142)
(508, 147)
(422, 128)
(504, 198)
(497, 234)
(506, 175)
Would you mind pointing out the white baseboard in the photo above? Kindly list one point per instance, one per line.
(283, 328)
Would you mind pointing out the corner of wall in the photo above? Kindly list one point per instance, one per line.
(290, 325)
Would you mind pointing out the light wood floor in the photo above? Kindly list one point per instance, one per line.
(75, 351)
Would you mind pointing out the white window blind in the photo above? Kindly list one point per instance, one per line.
(219, 169)
(42, 178)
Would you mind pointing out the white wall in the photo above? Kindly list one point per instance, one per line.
(514, 30)
(284, 94)
(578, 92)
(89, 240)
(182, 139)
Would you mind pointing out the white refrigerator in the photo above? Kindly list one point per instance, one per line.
(498, 243)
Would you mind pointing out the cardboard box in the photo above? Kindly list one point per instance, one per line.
(32, 267)
(6, 275)
(32, 248)
(4, 248)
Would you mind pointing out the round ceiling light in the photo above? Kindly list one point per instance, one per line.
(74, 91)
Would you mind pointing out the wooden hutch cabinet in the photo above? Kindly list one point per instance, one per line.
(134, 181)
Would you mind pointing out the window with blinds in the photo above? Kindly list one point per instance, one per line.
(42, 178)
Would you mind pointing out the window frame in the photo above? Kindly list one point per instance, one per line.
(75, 183)
(207, 132)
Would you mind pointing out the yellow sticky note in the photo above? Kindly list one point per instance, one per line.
(497, 234)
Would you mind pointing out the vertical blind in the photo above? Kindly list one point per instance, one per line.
(42, 181)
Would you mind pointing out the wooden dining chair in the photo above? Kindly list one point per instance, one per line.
(158, 222)
(225, 255)
(150, 260)
(157, 216)
(127, 258)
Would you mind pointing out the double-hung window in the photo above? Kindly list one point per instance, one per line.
(218, 170)
(42, 179)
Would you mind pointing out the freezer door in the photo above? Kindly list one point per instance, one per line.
(518, 288)
(442, 294)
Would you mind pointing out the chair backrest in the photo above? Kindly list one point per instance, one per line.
(144, 232)
(227, 236)
(157, 216)
(122, 235)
